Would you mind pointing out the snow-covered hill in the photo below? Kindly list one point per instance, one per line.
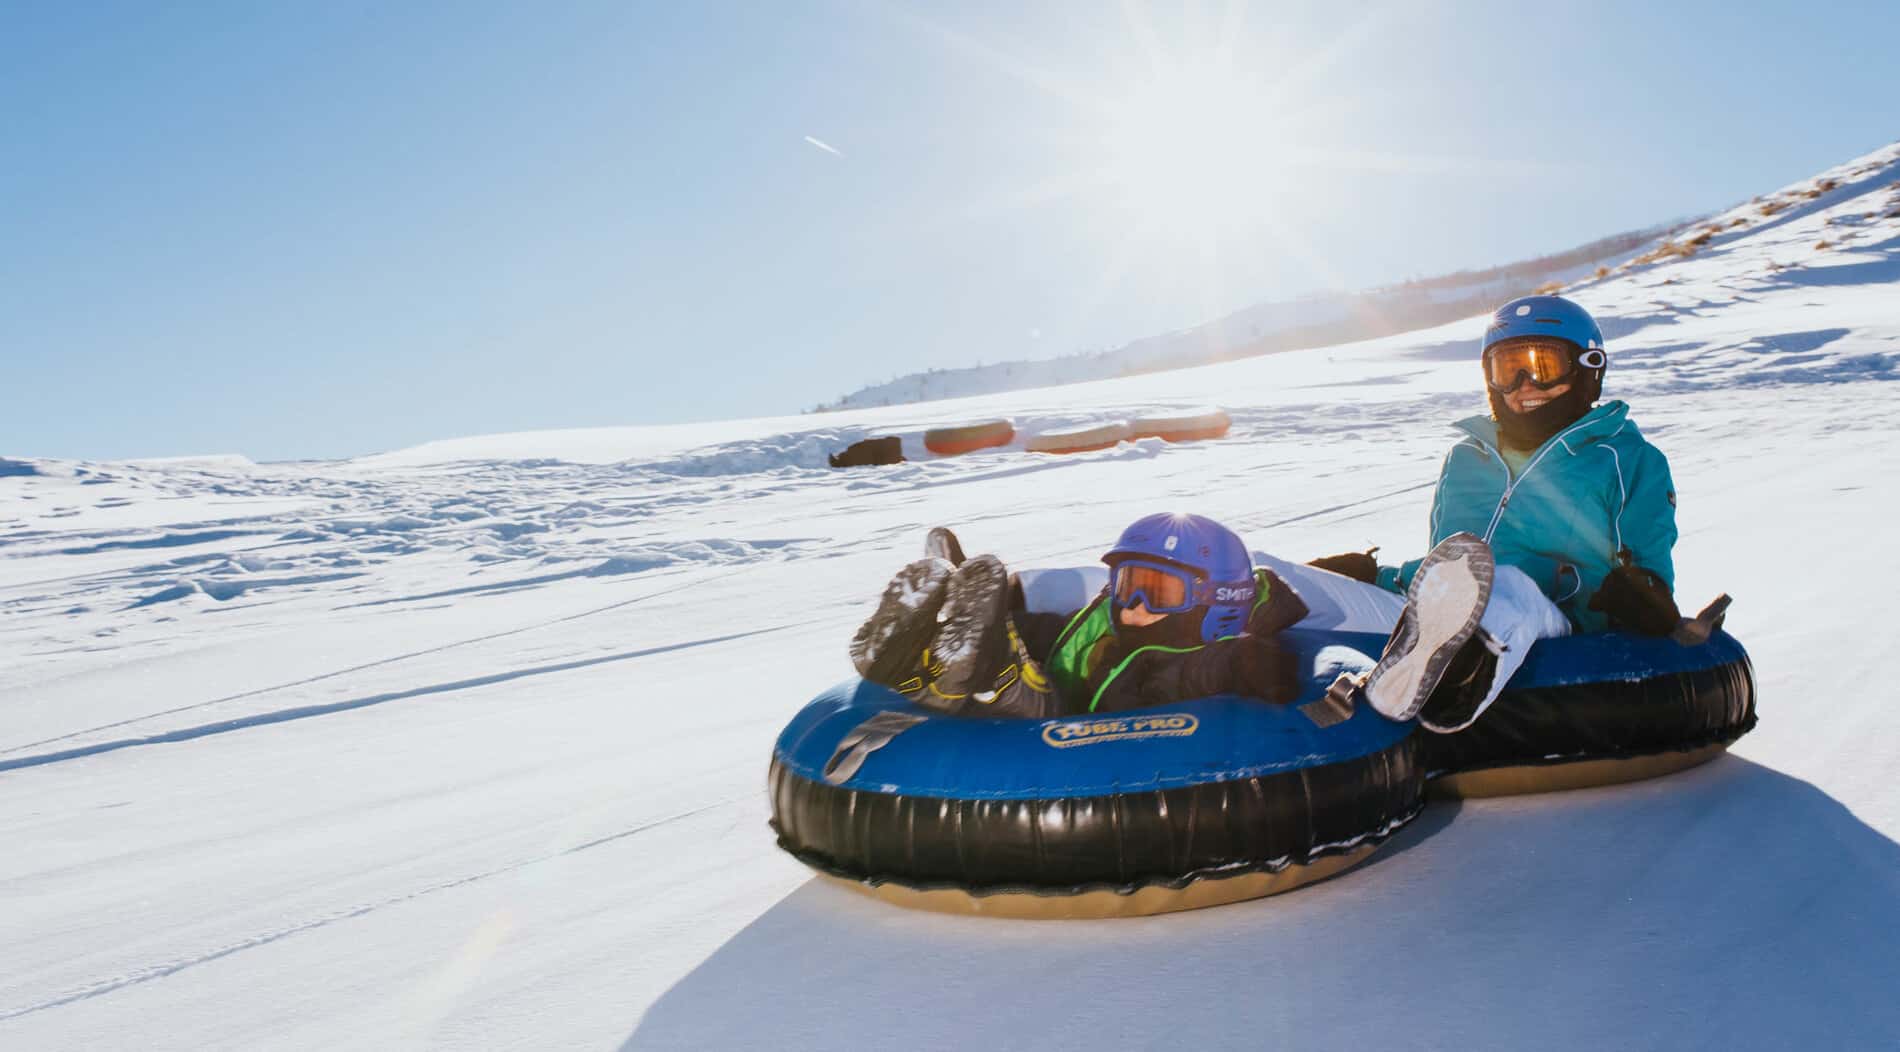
(464, 745)
(1312, 321)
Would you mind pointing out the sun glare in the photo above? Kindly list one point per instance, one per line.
(1198, 158)
(1191, 148)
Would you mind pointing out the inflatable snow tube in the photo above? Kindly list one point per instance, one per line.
(1188, 427)
(950, 441)
(870, 452)
(1080, 440)
(1119, 814)
(1597, 710)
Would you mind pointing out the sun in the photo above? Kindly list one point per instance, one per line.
(1191, 148)
(1200, 156)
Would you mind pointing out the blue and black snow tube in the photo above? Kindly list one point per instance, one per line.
(1219, 799)
(1596, 710)
(1174, 807)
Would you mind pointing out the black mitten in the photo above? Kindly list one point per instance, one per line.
(1360, 566)
(1636, 600)
(1282, 608)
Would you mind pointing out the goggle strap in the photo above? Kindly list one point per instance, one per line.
(1199, 592)
(1209, 593)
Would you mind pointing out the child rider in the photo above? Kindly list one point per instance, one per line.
(1185, 615)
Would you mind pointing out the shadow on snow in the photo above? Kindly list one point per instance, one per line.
(1731, 905)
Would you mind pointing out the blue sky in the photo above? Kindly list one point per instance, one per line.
(327, 229)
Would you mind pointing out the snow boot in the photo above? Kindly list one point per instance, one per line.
(1021, 689)
(889, 648)
(1461, 695)
(942, 544)
(980, 663)
(1442, 608)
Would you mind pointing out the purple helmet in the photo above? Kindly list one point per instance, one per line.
(1210, 564)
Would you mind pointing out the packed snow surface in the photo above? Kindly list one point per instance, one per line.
(464, 745)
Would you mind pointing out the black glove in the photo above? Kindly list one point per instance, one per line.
(1636, 600)
(1282, 608)
(1360, 566)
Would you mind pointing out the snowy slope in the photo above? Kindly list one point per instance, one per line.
(1265, 328)
(464, 746)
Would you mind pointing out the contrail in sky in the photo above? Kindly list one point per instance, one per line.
(825, 146)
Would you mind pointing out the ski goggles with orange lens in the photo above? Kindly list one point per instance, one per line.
(1161, 589)
(1545, 363)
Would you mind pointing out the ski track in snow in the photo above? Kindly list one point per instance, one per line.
(303, 712)
(598, 627)
(160, 971)
(308, 680)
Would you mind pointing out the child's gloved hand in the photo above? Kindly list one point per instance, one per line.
(1360, 566)
(1281, 609)
(1637, 600)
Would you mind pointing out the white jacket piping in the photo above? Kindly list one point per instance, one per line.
(1511, 484)
(1623, 493)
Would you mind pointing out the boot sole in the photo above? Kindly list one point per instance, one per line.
(1444, 604)
(942, 543)
(972, 633)
(890, 645)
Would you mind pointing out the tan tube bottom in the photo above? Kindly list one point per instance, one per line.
(1088, 905)
(1555, 777)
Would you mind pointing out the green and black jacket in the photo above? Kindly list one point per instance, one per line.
(1089, 666)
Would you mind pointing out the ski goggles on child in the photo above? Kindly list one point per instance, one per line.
(1164, 589)
(1545, 363)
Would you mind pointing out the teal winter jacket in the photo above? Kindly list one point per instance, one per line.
(1591, 491)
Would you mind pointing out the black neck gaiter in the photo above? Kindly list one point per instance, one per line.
(1524, 432)
(1175, 630)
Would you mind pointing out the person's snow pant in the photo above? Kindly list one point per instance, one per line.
(1518, 615)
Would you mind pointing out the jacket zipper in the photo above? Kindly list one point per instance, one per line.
(1510, 484)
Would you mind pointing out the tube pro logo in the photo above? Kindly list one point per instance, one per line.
(1064, 734)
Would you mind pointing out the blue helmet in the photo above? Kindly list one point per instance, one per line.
(1544, 316)
(1215, 566)
(1559, 317)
